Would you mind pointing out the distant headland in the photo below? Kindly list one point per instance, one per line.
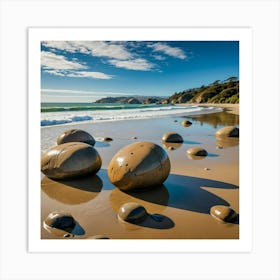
(226, 91)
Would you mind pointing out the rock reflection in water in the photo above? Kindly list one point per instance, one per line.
(226, 142)
(75, 191)
(171, 146)
(217, 119)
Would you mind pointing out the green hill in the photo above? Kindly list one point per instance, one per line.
(218, 92)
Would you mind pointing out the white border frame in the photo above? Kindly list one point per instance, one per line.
(262, 16)
(243, 35)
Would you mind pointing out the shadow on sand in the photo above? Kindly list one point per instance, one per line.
(185, 192)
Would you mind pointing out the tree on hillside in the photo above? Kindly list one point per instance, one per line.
(231, 79)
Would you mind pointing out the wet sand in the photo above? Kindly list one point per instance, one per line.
(192, 188)
(230, 108)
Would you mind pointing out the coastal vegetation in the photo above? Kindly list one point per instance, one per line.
(226, 91)
(217, 92)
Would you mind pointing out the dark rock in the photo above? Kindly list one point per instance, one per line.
(59, 220)
(197, 151)
(186, 123)
(172, 137)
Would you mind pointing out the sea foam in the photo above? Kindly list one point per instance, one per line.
(64, 117)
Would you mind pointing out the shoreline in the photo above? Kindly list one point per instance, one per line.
(227, 107)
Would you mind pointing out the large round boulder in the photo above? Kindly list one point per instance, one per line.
(139, 165)
(75, 135)
(69, 160)
(228, 131)
(172, 137)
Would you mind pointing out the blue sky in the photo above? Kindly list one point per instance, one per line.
(83, 71)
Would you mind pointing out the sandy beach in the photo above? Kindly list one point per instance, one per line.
(192, 188)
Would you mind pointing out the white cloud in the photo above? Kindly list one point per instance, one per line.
(166, 49)
(94, 75)
(58, 65)
(53, 61)
(133, 64)
(79, 74)
(95, 48)
(55, 72)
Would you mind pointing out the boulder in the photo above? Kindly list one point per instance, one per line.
(139, 165)
(60, 220)
(228, 131)
(197, 151)
(69, 160)
(75, 135)
(172, 137)
(62, 224)
(132, 212)
(223, 213)
(186, 123)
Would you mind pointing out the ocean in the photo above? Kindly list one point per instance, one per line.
(63, 113)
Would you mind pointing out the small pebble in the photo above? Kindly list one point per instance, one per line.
(98, 237)
(107, 139)
(68, 235)
(186, 123)
(206, 168)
